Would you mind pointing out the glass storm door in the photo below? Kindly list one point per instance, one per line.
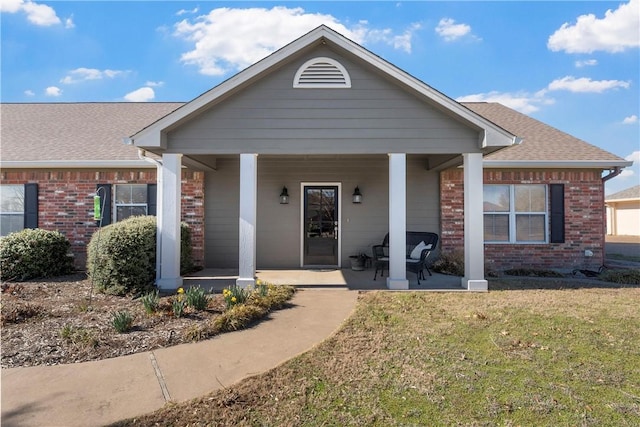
(320, 225)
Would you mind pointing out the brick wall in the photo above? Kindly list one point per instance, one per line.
(65, 199)
(584, 220)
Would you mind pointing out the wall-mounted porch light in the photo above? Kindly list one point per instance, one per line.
(357, 195)
(284, 196)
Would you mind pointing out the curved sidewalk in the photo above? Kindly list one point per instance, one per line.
(102, 392)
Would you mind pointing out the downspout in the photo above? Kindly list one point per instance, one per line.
(617, 170)
(142, 155)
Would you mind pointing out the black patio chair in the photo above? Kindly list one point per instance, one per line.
(380, 260)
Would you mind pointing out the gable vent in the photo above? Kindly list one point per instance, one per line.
(322, 73)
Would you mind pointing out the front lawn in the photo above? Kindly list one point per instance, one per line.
(543, 357)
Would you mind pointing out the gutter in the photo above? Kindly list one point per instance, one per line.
(612, 174)
(73, 164)
(568, 164)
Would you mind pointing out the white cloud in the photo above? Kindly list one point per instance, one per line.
(617, 31)
(450, 31)
(53, 91)
(185, 11)
(83, 74)
(29, 92)
(524, 102)
(68, 23)
(585, 84)
(229, 39)
(144, 94)
(38, 14)
(154, 84)
(632, 119)
(633, 157)
(586, 63)
(10, 6)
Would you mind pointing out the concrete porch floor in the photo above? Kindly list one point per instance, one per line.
(218, 279)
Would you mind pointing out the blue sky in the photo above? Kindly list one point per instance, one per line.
(574, 65)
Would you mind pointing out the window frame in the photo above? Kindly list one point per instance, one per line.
(512, 215)
(21, 213)
(116, 205)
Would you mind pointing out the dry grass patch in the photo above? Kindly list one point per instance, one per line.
(527, 357)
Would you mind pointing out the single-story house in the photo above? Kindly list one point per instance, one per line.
(309, 156)
(623, 212)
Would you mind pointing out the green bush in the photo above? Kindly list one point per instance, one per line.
(121, 257)
(34, 253)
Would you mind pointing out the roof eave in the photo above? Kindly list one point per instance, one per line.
(569, 164)
(75, 164)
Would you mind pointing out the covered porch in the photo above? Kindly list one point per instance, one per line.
(216, 279)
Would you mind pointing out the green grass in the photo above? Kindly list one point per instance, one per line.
(543, 357)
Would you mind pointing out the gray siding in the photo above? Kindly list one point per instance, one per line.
(271, 117)
(278, 226)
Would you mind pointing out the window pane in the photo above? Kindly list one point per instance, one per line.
(530, 198)
(496, 198)
(131, 193)
(10, 223)
(530, 228)
(496, 228)
(12, 198)
(124, 212)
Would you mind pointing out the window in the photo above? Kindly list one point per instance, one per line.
(130, 200)
(11, 208)
(515, 213)
(120, 201)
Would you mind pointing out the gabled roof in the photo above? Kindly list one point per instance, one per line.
(542, 145)
(629, 194)
(75, 134)
(153, 136)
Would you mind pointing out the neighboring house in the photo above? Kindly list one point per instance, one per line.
(265, 165)
(623, 212)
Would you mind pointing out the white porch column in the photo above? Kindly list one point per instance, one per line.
(397, 221)
(473, 224)
(248, 214)
(169, 222)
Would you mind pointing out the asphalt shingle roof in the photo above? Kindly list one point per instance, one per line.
(94, 131)
(541, 141)
(629, 193)
(75, 131)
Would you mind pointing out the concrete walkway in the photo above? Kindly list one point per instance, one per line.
(102, 392)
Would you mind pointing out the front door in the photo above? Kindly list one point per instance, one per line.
(321, 227)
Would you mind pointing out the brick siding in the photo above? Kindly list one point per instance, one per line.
(65, 199)
(584, 220)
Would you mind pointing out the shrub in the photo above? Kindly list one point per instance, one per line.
(625, 277)
(34, 253)
(121, 257)
(122, 321)
(16, 311)
(450, 263)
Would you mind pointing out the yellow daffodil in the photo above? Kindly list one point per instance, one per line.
(233, 299)
(180, 291)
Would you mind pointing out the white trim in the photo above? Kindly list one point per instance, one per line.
(302, 202)
(320, 84)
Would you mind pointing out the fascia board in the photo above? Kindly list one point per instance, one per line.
(76, 164)
(570, 164)
(613, 201)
